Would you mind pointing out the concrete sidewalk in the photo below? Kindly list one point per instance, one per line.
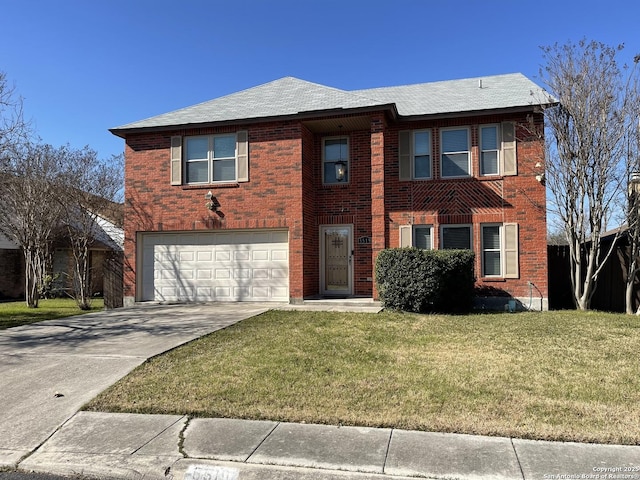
(175, 447)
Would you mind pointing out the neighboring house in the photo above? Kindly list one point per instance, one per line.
(12, 268)
(289, 190)
(105, 260)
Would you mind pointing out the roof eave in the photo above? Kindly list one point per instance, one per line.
(390, 108)
(474, 113)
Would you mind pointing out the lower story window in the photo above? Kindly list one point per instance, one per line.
(418, 236)
(500, 246)
(456, 237)
(491, 250)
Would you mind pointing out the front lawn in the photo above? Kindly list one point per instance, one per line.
(14, 314)
(552, 375)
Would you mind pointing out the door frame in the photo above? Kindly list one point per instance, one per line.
(348, 292)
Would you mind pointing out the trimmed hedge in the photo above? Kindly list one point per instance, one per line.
(416, 280)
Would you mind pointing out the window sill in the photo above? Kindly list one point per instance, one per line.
(210, 186)
(493, 279)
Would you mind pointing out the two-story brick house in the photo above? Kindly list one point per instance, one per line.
(290, 189)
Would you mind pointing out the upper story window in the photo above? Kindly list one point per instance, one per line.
(208, 159)
(335, 160)
(414, 152)
(489, 150)
(421, 157)
(455, 158)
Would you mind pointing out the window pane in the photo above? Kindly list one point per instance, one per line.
(423, 237)
(422, 167)
(197, 172)
(489, 163)
(197, 148)
(489, 138)
(455, 165)
(455, 140)
(224, 170)
(330, 172)
(456, 238)
(224, 147)
(335, 149)
(422, 144)
(492, 263)
(491, 238)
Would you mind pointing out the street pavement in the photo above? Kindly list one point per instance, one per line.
(50, 369)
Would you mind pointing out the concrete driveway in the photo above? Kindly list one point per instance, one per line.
(49, 370)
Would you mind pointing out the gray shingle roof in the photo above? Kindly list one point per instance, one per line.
(466, 95)
(291, 96)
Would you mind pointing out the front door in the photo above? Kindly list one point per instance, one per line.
(336, 260)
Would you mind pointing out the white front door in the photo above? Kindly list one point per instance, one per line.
(336, 260)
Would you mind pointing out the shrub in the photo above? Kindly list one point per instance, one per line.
(417, 280)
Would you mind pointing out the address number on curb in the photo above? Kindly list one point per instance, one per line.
(211, 472)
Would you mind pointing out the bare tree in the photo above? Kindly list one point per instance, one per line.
(632, 230)
(13, 128)
(585, 164)
(29, 210)
(88, 192)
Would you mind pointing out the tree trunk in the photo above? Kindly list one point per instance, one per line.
(31, 278)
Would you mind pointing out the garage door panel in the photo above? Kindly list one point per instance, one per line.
(220, 266)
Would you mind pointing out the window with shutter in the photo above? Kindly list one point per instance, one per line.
(414, 154)
(404, 155)
(500, 250)
(405, 236)
(508, 158)
(176, 160)
(511, 251)
(419, 236)
(210, 159)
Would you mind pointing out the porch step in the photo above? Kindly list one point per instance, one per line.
(336, 305)
(355, 302)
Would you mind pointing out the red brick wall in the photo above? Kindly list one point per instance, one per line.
(271, 199)
(477, 200)
(285, 161)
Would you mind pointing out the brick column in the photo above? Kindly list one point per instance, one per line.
(378, 214)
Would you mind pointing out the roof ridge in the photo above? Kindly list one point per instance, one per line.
(479, 77)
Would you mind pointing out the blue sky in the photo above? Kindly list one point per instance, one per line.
(86, 66)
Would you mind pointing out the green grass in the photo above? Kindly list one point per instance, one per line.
(14, 314)
(553, 375)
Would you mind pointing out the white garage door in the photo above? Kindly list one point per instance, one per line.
(249, 265)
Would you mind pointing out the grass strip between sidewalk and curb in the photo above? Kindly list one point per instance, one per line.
(570, 376)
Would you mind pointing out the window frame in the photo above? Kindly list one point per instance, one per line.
(407, 235)
(498, 149)
(414, 155)
(500, 250)
(347, 160)
(467, 151)
(211, 158)
(468, 226)
(414, 232)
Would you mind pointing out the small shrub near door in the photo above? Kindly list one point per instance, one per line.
(417, 280)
